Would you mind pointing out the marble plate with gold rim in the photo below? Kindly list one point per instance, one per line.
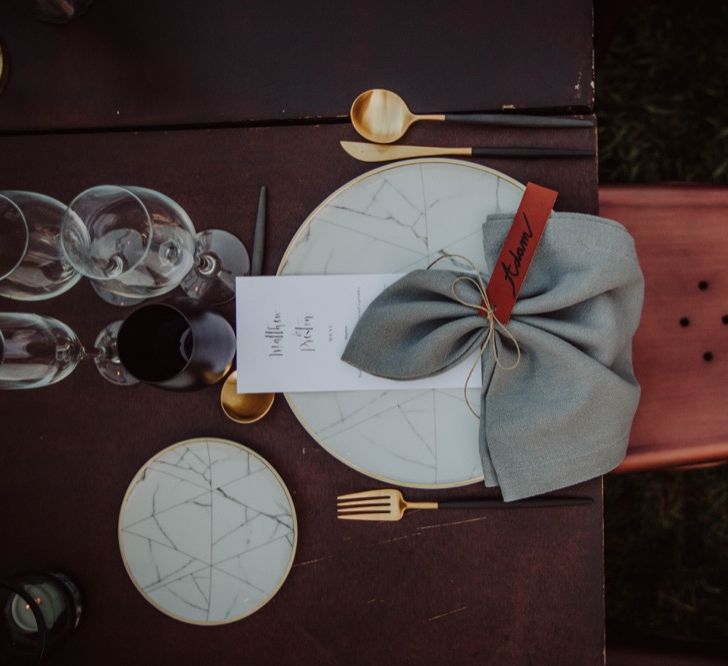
(397, 218)
(207, 531)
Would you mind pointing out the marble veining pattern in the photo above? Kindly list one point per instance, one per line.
(396, 219)
(207, 531)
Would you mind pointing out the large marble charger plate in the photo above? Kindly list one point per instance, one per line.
(207, 531)
(393, 219)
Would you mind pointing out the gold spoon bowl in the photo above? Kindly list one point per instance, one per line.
(382, 116)
(245, 408)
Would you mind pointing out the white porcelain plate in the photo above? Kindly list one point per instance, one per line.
(207, 531)
(395, 219)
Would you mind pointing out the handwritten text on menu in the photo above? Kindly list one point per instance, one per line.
(292, 331)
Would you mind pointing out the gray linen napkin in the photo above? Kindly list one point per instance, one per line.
(564, 414)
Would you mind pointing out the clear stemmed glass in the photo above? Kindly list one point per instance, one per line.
(135, 243)
(39, 351)
(178, 346)
(131, 243)
(32, 265)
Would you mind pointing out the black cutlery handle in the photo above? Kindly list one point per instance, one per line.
(256, 263)
(517, 120)
(531, 152)
(520, 504)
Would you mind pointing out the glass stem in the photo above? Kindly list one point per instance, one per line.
(105, 347)
(115, 265)
(70, 351)
(107, 352)
(208, 264)
(93, 354)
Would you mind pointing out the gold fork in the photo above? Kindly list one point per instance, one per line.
(388, 504)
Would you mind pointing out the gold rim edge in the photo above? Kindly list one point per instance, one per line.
(284, 260)
(284, 576)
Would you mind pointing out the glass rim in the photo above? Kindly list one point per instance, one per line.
(5, 197)
(150, 228)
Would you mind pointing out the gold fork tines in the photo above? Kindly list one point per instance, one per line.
(382, 504)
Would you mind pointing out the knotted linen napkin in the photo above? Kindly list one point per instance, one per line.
(563, 414)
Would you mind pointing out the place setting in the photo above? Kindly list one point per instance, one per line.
(432, 324)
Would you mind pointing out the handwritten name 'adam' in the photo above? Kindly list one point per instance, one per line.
(513, 269)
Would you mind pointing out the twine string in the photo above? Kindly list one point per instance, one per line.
(486, 310)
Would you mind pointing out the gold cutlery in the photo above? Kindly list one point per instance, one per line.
(373, 152)
(382, 116)
(388, 504)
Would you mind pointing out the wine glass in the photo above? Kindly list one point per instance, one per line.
(39, 351)
(32, 265)
(176, 345)
(135, 243)
(131, 243)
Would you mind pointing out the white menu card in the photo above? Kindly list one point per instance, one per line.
(293, 329)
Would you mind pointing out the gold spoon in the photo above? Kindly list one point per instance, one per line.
(243, 408)
(249, 407)
(383, 117)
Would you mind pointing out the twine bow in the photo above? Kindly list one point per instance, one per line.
(486, 311)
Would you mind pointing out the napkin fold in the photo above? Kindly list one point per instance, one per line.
(564, 413)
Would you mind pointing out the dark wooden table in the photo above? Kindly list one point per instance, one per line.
(128, 63)
(506, 587)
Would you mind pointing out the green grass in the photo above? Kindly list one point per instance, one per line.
(662, 104)
(662, 96)
(666, 542)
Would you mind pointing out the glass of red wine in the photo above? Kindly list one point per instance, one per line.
(176, 345)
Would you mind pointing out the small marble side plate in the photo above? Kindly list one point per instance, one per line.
(207, 531)
(395, 219)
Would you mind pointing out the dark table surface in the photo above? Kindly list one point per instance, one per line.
(507, 587)
(510, 587)
(127, 63)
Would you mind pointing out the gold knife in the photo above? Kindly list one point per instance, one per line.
(373, 152)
